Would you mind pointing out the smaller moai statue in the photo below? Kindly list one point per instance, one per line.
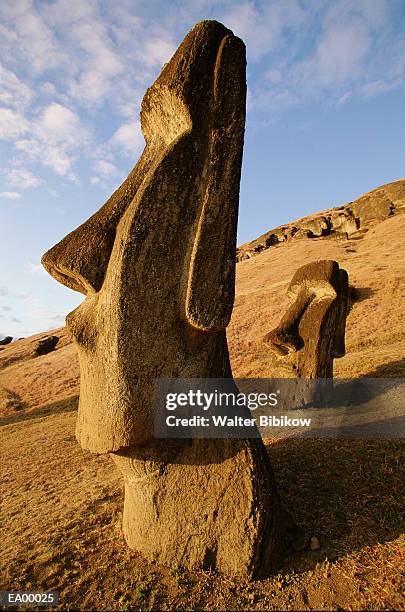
(311, 334)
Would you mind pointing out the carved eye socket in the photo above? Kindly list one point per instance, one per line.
(164, 115)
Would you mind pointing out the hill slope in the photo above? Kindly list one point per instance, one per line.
(374, 257)
(63, 506)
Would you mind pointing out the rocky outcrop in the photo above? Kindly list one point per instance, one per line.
(45, 345)
(342, 222)
(157, 266)
(6, 340)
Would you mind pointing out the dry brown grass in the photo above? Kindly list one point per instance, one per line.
(375, 333)
(62, 507)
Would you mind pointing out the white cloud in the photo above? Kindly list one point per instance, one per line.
(374, 88)
(338, 58)
(29, 36)
(53, 137)
(341, 51)
(373, 13)
(261, 26)
(56, 137)
(128, 137)
(12, 124)
(105, 168)
(344, 98)
(35, 268)
(88, 40)
(13, 92)
(11, 195)
(157, 51)
(59, 124)
(352, 52)
(24, 179)
(45, 314)
(273, 75)
(73, 68)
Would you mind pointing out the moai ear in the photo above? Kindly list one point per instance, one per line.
(210, 288)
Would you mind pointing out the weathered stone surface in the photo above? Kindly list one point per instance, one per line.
(370, 208)
(157, 266)
(6, 340)
(46, 345)
(311, 334)
(344, 222)
(203, 503)
(303, 232)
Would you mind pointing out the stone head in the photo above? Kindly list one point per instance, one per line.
(157, 262)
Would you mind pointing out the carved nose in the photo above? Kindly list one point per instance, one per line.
(80, 260)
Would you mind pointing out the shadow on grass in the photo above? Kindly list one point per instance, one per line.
(359, 294)
(392, 369)
(349, 493)
(66, 405)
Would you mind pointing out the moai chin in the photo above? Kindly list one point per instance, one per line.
(157, 266)
(311, 334)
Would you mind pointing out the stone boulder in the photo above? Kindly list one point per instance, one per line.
(45, 345)
(6, 340)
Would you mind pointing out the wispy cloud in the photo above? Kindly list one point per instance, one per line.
(128, 137)
(63, 60)
(56, 137)
(12, 124)
(73, 73)
(354, 52)
(47, 315)
(22, 178)
(13, 92)
(10, 195)
(35, 268)
(26, 33)
(263, 25)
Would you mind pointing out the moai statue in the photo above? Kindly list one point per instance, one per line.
(311, 334)
(157, 266)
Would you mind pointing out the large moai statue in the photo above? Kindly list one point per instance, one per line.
(311, 334)
(157, 266)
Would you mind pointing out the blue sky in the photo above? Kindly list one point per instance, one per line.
(326, 102)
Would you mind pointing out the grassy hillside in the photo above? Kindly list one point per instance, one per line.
(62, 506)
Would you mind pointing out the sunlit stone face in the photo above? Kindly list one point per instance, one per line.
(157, 262)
